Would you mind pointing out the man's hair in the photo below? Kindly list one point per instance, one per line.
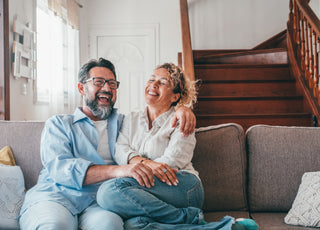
(101, 62)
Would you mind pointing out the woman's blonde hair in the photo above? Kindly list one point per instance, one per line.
(181, 85)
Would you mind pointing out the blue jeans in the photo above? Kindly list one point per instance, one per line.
(48, 215)
(145, 223)
(162, 203)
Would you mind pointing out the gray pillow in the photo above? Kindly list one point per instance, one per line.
(12, 193)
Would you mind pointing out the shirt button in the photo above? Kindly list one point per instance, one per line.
(93, 197)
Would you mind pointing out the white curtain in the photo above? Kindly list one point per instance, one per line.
(57, 61)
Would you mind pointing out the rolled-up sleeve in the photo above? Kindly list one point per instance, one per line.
(123, 150)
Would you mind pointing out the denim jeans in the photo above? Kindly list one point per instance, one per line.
(145, 223)
(162, 203)
(48, 215)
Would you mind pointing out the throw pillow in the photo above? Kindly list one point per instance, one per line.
(11, 196)
(6, 156)
(305, 209)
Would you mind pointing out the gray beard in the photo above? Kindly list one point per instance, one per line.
(101, 112)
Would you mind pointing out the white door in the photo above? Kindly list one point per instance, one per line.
(134, 50)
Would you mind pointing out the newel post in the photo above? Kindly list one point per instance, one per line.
(187, 54)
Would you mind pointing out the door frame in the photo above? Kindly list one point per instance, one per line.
(5, 56)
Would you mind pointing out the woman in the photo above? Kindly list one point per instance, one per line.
(148, 138)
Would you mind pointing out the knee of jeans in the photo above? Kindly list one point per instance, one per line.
(47, 215)
(49, 224)
(106, 193)
(110, 221)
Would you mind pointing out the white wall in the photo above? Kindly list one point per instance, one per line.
(215, 24)
(122, 12)
(234, 24)
(22, 106)
(315, 5)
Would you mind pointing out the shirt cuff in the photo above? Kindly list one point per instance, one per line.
(132, 155)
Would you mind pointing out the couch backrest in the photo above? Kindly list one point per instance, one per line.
(24, 140)
(220, 159)
(277, 158)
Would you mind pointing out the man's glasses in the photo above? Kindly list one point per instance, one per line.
(100, 82)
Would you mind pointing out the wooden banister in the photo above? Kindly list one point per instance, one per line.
(304, 50)
(187, 55)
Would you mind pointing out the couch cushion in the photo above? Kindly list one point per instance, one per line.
(11, 196)
(278, 157)
(6, 156)
(274, 221)
(220, 159)
(24, 140)
(216, 216)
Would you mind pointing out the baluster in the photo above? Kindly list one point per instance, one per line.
(310, 70)
(291, 20)
(318, 70)
(298, 35)
(303, 43)
(306, 50)
(291, 9)
(315, 65)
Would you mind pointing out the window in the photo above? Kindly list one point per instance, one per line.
(57, 59)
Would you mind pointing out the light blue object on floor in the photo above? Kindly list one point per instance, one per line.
(249, 224)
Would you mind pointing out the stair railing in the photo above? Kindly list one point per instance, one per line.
(187, 54)
(304, 41)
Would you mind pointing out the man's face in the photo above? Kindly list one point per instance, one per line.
(100, 100)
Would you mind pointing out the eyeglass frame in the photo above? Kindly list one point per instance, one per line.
(105, 81)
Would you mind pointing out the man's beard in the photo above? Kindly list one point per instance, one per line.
(102, 111)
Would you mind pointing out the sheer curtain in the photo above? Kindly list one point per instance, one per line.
(57, 60)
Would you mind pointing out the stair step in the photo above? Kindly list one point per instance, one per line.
(230, 72)
(203, 53)
(247, 120)
(252, 105)
(264, 56)
(244, 89)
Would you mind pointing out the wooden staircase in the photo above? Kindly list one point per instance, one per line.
(248, 87)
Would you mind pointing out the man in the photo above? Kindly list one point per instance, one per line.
(77, 154)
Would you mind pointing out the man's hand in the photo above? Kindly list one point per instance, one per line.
(186, 118)
(139, 171)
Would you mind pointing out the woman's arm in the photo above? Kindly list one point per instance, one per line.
(186, 119)
(123, 150)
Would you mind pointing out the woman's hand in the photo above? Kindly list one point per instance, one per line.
(186, 118)
(163, 172)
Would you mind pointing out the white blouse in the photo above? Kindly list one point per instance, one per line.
(161, 143)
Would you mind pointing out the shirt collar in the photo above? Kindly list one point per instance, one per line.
(79, 115)
(159, 121)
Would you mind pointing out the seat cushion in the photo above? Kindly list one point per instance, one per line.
(216, 216)
(220, 159)
(274, 221)
(278, 157)
(24, 139)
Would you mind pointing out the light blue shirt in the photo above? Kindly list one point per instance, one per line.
(68, 147)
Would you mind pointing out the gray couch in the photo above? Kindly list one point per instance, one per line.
(254, 174)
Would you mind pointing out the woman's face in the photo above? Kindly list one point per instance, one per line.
(159, 90)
